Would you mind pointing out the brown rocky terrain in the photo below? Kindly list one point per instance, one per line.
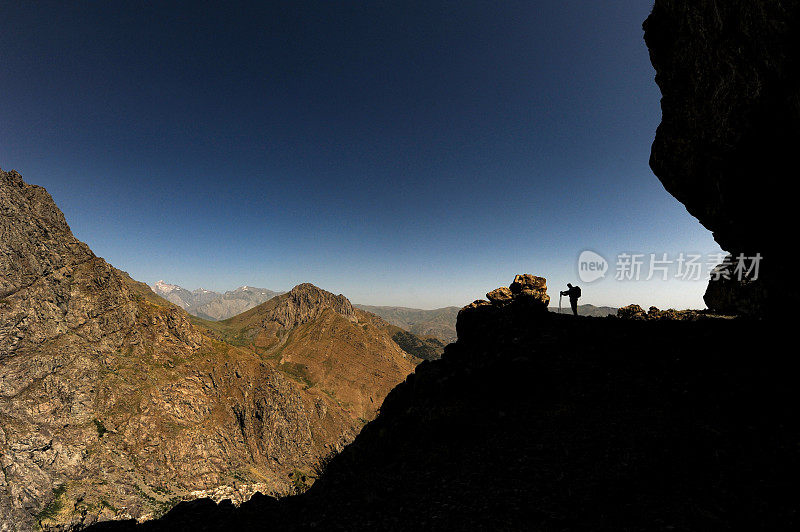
(730, 83)
(326, 344)
(113, 404)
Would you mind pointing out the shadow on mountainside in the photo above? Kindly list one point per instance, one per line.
(550, 422)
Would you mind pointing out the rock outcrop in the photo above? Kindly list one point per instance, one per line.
(526, 299)
(36, 238)
(729, 74)
(727, 294)
(635, 312)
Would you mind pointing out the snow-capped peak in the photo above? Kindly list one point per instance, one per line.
(161, 286)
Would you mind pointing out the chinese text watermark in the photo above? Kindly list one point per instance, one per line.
(663, 266)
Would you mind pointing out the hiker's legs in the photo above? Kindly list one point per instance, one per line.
(574, 304)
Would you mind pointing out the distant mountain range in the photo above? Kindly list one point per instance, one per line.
(585, 310)
(438, 323)
(441, 322)
(211, 305)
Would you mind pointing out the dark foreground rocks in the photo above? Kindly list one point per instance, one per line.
(548, 422)
(635, 312)
(729, 74)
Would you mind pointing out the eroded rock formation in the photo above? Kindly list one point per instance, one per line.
(729, 76)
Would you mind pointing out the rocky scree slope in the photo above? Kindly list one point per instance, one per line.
(539, 421)
(113, 404)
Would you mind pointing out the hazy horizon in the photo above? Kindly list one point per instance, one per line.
(417, 154)
(222, 291)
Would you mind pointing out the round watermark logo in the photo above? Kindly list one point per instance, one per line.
(591, 266)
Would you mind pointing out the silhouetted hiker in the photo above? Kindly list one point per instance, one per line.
(574, 293)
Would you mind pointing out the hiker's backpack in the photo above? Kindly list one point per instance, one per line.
(577, 291)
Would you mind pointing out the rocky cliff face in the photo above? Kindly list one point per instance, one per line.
(114, 404)
(304, 303)
(730, 82)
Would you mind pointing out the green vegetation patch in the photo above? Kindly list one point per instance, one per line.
(240, 475)
(55, 506)
(301, 481)
(296, 371)
(101, 429)
(413, 345)
(105, 504)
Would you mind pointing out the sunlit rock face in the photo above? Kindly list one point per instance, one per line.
(730, 82)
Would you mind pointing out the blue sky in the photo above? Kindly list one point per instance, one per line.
(403, 153)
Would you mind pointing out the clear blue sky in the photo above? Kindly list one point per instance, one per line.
(406, 153)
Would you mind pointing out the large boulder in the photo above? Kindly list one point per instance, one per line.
(727, 294)
(527, 281)
(500, 296)
(730, 82)
(631, 312)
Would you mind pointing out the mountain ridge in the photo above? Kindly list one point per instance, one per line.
(436, 323)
